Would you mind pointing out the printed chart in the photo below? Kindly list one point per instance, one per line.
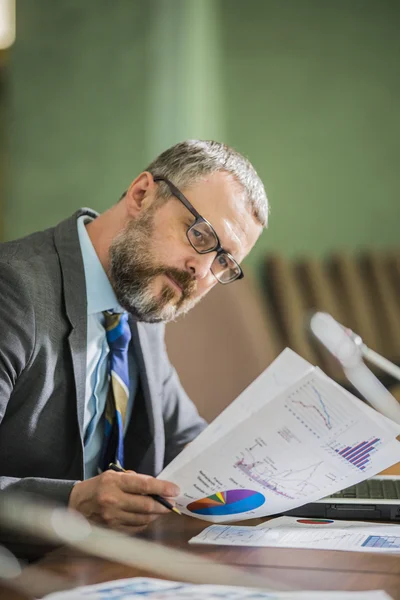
(230, 502)
(289, 483)
(360, 454)
(314, 521)
(316, 412)
(382, 541)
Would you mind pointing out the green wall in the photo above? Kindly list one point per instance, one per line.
(314, 100)
(78, 75)
(308, 89)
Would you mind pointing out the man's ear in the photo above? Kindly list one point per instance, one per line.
(140, 194)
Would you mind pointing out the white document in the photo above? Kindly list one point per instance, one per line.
(305, 533)
(287, 368)
(157, 589)
(293, 436)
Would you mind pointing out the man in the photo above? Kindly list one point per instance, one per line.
(84, 376)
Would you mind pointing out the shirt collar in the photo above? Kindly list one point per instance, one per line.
(99, 291)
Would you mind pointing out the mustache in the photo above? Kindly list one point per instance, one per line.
(185, 280)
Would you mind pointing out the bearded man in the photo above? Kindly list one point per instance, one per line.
(85, 380)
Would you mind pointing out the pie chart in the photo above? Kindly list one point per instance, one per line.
(315, 521)
(230, 502)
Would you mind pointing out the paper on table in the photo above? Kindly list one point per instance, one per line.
(295, 532)
(156, 589)
(307, 522)
(288, 452)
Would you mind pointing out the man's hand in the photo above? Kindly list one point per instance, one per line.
(121, 500)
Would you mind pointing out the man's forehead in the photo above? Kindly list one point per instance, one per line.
(233, 231)
(221, 200)
(218, 196)
(218, 182)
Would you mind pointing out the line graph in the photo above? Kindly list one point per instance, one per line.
(290, 483)
(321, 410)
(312, 407)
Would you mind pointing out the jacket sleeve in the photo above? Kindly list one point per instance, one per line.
(17, 343)
(17, 332)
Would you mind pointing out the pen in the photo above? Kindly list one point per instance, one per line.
(155, 497)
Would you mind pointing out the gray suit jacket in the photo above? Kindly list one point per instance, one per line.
(43, 333)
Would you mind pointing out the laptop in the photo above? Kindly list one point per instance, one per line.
(375, 499)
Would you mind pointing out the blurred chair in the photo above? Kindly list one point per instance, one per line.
(289, 304)
(352, 292)
(223, 344)
(385, 300)
(361, 292)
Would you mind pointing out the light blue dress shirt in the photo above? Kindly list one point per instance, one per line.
(100, 297)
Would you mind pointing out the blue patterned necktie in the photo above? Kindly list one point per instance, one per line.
(118, 337)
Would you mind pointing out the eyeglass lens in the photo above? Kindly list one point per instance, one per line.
(224, 268)
(202, 237)
(204, 240)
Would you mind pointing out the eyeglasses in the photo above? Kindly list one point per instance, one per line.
(204, 240)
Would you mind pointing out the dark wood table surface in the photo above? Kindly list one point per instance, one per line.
(302, 569)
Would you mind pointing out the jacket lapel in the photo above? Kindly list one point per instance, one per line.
(66, 240)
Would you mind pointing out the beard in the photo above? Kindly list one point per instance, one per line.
(133, 271)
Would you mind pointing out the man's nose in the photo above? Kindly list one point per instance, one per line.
(200, 265)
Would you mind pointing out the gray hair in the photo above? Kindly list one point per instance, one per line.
(188, 162)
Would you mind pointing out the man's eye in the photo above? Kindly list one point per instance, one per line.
(198, 235)
(222, 261)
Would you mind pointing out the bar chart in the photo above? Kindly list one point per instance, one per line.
(382, 541)
(360, 454)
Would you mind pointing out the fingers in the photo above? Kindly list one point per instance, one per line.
(129, 493)
(141, 505)
(146, 485)
(121, 500)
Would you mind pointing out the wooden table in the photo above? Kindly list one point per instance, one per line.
(302, 569)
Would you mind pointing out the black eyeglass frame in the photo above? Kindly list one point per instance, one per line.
(199, 219)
